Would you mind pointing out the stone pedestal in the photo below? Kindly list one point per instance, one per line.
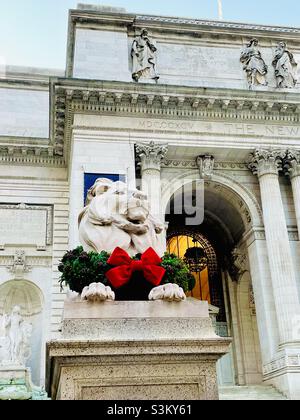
(16, 384)
(135, 350)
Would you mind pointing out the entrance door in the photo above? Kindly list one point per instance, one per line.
(208, 287)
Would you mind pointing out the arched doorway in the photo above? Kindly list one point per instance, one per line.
(29, 298)
(226, 219)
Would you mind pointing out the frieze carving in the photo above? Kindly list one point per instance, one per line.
(159, 104)
(184, 164)
(192, 164)
(31, 261)
(263, 161)
(177, 110)
(28, 155)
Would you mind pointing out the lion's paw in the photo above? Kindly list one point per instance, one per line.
(72, 296)
(169, 292)
(97, 292)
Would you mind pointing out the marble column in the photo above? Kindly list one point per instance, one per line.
(267, 164)
(292, 168)
(151, 156)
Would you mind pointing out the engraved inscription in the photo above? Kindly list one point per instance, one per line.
(193, 126)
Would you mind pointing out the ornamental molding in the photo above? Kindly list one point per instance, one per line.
(266, 161)
(291, 163)
(216, 24)
(150, 155)
(28, 150)
(241, 202)
(258, 234)
(94, 17)
(31, 261)
(240, 261)
(231, 198)
(192, 164)
(20, 265)
(69, 97)
(206, 165)
(285, 362)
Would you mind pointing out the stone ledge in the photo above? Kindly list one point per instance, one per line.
(137, 320)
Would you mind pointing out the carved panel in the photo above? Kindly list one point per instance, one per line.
(25, 225)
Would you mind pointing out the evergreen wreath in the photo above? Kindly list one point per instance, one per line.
(79, 269)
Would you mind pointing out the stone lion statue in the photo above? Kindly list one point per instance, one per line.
(117, 217)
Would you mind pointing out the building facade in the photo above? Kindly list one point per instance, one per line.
(169, 104)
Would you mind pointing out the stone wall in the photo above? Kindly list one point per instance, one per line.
(24, 113)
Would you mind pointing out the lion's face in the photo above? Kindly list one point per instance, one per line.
(137, 207)
(113, 198)
(117, 216)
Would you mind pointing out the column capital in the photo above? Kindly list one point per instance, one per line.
(292, 163)
(205, 164)
(266, 161)
(151, 155)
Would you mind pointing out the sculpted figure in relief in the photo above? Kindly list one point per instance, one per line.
(254, 65)
(285, 67)
(17, 346)
(143, 54)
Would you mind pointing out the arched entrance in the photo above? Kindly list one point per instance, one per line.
(227, 217)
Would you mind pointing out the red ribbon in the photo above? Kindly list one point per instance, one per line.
(125, 267)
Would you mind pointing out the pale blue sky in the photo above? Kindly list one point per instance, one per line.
(34, 32)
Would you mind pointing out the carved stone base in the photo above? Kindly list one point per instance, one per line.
(16, 384)
(135, 350)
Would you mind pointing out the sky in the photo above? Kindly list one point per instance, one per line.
(33, 33)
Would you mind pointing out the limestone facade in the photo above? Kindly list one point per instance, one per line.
(58, 127)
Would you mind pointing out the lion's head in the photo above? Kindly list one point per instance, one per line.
(117, 216)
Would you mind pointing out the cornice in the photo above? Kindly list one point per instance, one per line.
(70, 96)
(11, 151)
(216, 24)
(12, 82)
(97, 17)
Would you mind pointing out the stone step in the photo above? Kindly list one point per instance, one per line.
(255, 392)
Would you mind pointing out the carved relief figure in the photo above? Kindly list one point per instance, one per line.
(285, 67)
(116, 217)
(254, 65)
(143, 54)
(17, 347)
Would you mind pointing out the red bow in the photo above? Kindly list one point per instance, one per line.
(149, 265)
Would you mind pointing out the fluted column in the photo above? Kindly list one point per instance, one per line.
(292, 168)
(151, 156)
(266, 164)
